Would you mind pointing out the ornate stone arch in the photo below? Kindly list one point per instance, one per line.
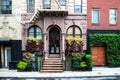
(56, 26)
(74, 31)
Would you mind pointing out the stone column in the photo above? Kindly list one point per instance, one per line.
(24, 35)
(63, 42)
(45, 47)
(63, 50)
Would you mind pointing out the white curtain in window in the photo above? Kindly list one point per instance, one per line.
(35, 32)
(31, 33)
(78, 6)
(70, 30)
(30, 5)
(74, 31)
(113, 14)
(38, 33)
(77, 2)
(62, 3)
(46, 1)
(95, 16)
(46, 4)
(77, 30)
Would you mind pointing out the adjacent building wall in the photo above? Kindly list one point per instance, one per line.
(104, 7)
(10, 27)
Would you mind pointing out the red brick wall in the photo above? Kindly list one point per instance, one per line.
(104, 6)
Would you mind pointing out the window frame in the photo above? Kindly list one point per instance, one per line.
(6, 56)
(116, 17)
(61, 5)
(35, 32)
(79, 6)
(98, 15)
(7, 5)
(49, 7)
(74, 34)
(30, 4)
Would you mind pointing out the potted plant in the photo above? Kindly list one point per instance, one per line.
(34, 45)
(22, 65)
(73, 45)
(76, 60)
(83, 65)
(25, 64)
(27, 57)
(88, 58)
(74, 48)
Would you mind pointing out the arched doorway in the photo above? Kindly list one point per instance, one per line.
(54, 41)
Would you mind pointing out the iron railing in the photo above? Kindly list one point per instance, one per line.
(63, 59)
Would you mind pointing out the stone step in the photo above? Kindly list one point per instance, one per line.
(54, 59)
(53, 63)
(54, 56)
(48, 65)
(49, 71)
(52, 68)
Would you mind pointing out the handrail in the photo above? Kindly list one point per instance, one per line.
(43, 58)
(63, 59)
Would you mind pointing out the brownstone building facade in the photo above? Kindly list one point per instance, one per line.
(52, 22)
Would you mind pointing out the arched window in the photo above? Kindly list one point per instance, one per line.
(74, 31)
(35, 32)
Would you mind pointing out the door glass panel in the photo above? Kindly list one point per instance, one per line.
(57, 50)
(52, 49)
(7, 57)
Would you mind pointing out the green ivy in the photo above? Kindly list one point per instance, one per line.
(112, 44)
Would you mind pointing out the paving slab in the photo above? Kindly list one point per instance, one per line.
(96, 72)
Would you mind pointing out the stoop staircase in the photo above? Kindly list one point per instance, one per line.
(52, 64)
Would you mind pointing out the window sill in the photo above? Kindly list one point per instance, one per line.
(96, 24)
(113, 24)
(6, 15)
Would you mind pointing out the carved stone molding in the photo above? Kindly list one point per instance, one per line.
(8, 32)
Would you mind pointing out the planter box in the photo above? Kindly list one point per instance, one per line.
(68, 64)
(76, 64)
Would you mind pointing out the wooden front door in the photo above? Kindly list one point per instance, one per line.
(54, 41)
(98, 56)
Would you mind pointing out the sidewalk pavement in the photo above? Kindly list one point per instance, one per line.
(96, 72)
